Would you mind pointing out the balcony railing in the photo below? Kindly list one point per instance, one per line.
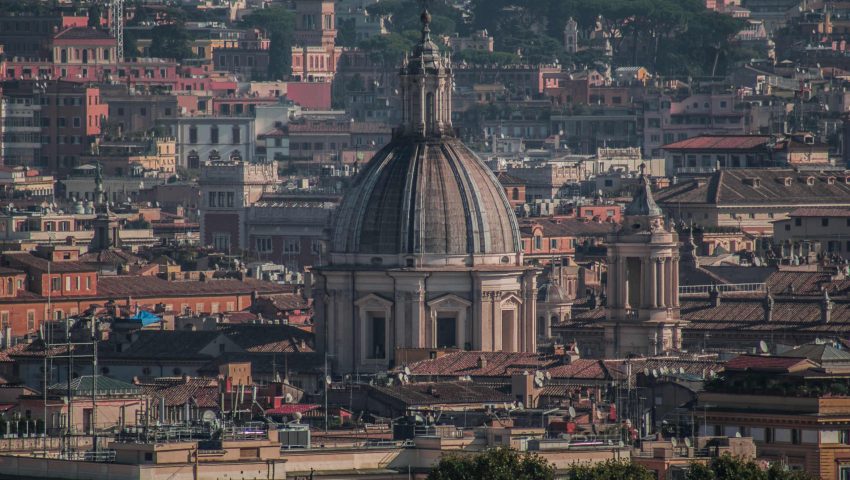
(723, 288)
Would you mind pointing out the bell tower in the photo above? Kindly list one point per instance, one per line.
(571, 36)
(643, 281)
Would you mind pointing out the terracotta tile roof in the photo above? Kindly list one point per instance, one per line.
(736, 186)
(83, 33)
(290, 301)
(498, 364)
(820, 212)
(585, 369)
(111, 257)
(441, 393)
(765, 363)
(567, 228)
(720, 142)
(292, 408)
(507, 179)
(676, 366)
(29, 261)
(269, 338)
(172, 344)
(177, 391)
(807, 283)
(149, 286)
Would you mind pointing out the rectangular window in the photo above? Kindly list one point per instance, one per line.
(211, 202)
(88, 283)
(378, 339)
(292, 245)
(4, 319)
(68, 284)
(824, 222)
(56, 284)
(230, 198)
(264, 244)
(30, 320)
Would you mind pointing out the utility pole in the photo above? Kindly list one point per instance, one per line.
(94, 382)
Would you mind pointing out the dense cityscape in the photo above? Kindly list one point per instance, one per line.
(425, 239)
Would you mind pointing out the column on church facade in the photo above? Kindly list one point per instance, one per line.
(660, 285)
(652, 284)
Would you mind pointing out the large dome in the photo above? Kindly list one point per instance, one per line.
(426, 196)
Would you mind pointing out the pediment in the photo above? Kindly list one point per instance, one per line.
(449, 300)
(374, 301)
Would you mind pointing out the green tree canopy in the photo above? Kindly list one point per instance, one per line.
(171, 41)
(727, 467)
(678, 37)
(610, 470)
(494, 464)
(388, 48)
(483, 57)
(279, 23)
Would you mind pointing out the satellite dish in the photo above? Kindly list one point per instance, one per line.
(548, 375)
(407, 371)
(674, 442)
(578, 353)
(600, 414)
(688, 442)
(763, 348)
(400, 377)
(520, 406)
(208, 416)
(538, 374)
(572, 412)
(406, 379)
(737, 434)
(288, 398)
(681, 370)
(646, 372)
(328, 380)
(297, 417)
(538, 382)
(654, 373)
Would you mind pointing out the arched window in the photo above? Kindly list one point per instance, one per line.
(63, 55)
(10, 286)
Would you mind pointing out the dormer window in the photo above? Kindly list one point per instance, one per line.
(810, 181)
(830, 180)
(787, 181)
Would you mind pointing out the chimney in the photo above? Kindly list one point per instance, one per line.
(768, 308)
(482, 362)
(826, 308)
(714, 296)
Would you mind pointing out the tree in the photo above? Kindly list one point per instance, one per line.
(609, 470)
(484, 58)
(494, 464)
(727, 467)
(279, 24)
(387, 48)
(94, 15)
(171, 41)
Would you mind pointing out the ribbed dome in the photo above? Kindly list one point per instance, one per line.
(422, 196)
(552, 293)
